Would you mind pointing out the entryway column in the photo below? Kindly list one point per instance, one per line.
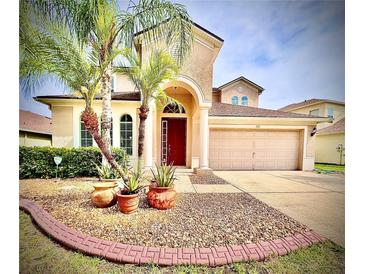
(204, 142)
(148, 140)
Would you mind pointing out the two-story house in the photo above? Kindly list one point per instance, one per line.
(217, 128)
(330, 140)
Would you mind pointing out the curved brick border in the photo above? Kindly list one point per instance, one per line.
(126, 253)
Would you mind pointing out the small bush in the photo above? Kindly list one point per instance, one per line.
(37, 162)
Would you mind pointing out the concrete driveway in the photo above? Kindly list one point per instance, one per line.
(316, 200)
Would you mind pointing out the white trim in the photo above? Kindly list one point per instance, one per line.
(255, 127)
(194, 86)
(315, 119)
(35, 131)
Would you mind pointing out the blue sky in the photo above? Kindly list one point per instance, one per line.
(294, 49)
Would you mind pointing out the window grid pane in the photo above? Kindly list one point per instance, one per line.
(86, 138)
(126, 133)
(234, 100)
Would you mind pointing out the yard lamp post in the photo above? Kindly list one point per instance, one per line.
(57, 161)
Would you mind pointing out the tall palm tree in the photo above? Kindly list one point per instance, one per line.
(148, 76)
(101, 24)
(50, 48)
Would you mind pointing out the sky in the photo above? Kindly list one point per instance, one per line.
(295, 50)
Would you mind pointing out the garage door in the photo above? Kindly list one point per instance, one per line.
(253, 149)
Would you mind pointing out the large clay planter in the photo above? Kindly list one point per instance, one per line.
(104, 194)
(161, 197)
(127, 203)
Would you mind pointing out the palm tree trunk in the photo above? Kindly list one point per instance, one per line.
(106, 114)
(143, 114)
(91, 123)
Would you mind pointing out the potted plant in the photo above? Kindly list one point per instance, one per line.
(104, 194)
(162, 194)
(128, 198)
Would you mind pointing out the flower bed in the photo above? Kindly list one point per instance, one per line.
(197, 220)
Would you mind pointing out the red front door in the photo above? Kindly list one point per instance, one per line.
(174, 141)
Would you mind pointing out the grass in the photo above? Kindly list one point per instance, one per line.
(39, 254)
(329, 167)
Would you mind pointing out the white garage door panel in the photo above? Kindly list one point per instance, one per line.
(253, 150)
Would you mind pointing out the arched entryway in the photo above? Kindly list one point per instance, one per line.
(193, 140)
(173, 135)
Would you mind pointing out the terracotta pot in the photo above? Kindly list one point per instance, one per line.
(104, 194)
(161, 197)
(127, 203)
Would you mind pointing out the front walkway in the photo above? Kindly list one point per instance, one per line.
(316, 200)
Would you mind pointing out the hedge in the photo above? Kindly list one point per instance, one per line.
(37, 162)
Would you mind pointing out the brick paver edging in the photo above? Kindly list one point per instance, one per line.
(125, 253)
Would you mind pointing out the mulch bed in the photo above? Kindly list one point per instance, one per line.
(197, 220)
(207, 180)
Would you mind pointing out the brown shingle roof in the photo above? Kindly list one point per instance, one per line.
(122, 96)
(309, 102)
(222, 109)
(337, 127)
(29, 121)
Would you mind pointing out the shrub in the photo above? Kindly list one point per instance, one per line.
(37, 162)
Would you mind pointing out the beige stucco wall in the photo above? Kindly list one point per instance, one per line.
(240, 89)
(216, 97)
(119, 108)
(198, 66)
(338, 111)
(325, 147)
(123, 84)
(62, 130)
(30, 139)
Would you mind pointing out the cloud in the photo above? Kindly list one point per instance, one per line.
(294, 49)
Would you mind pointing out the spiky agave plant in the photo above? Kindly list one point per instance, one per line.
(133, 184)
(164, 175)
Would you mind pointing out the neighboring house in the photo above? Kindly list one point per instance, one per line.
(218, 128)
(34, 129)
(330, 140)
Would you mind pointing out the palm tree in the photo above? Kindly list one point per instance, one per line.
(48, 48)
(148, 76)
(101, 24)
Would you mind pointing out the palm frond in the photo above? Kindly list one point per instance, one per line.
(158, 20)
(149, 75)
(47, 47)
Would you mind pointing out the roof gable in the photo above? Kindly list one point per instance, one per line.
(309, 102)
(245, 80)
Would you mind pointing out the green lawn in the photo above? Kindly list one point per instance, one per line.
(330, 167)
(39, 254)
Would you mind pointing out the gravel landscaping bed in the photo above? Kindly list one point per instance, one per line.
(207, 180)
(197, 220)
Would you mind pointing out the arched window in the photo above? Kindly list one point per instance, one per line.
(244, 101)
(126, 133)
(234, 100)
(173, 108)
(86, 138)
